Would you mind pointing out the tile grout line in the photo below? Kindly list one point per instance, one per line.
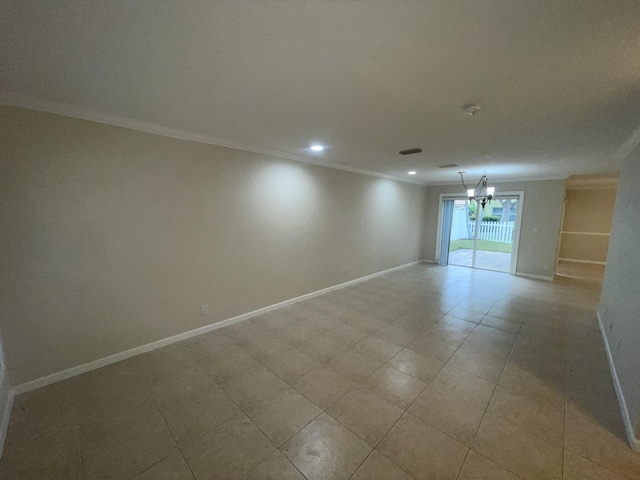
(428, 383)
(271, 441)
(325, 410)
(82, 465)
(401, 415)
(487, 408)
(474, 436)
(352, 389)
(362, 462)
(242, 412)
(406, 411)
(146, 387)
(359, 383)
(439, 370)
(462, 343)
(356, 386)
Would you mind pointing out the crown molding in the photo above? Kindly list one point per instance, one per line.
(34, 103)
(502, 180)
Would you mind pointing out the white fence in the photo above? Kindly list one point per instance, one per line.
(493, 231)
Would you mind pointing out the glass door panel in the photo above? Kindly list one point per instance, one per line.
(495, 233)
(461, 239)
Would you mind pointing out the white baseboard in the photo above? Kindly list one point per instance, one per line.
(634, 443)
(535, 277)
(117, 357)
(6, 413)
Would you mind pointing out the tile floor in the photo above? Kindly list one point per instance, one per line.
(426, 373)
(496, 261)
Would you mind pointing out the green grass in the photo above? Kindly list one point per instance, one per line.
(484, 245)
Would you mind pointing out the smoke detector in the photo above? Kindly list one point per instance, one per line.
(471, 109)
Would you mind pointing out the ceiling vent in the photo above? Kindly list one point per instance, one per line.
(410, 151)
(448, 165)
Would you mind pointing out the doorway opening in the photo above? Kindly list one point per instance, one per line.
(471, 236)
(586, 227)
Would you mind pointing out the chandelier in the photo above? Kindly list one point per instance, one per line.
(481, 193)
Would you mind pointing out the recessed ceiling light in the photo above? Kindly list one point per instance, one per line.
(412, 172)
(317, 148)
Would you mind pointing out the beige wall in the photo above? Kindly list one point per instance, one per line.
(590, 248)
(589, 210)
(543, 204)
(620, 303)
(113, 238)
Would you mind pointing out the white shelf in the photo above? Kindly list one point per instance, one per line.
(587, 233)
(575, 260)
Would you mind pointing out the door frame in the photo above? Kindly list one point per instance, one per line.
(518, 226)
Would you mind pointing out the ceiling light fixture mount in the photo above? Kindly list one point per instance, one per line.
(482, 194)
(471, 109)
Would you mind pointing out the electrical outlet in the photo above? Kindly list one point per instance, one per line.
(546, 268)
(204, 309)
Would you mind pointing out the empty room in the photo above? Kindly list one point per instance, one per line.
(319, 239)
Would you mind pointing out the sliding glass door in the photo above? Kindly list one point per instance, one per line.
(480, 238)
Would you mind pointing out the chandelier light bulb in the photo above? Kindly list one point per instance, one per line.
(482, 194)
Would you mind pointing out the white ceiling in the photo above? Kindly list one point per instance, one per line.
(558, 81)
